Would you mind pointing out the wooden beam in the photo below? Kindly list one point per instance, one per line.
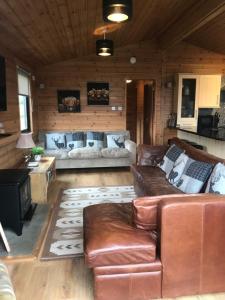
(196, 17)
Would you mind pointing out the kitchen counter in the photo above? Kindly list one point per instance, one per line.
(209, 133)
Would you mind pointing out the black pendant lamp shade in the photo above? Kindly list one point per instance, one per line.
(104, 47)
(117, 10)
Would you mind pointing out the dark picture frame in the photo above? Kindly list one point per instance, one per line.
(3, 98)
(68, 101)
(98, 93)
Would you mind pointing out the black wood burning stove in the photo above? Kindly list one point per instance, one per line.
(15, 198)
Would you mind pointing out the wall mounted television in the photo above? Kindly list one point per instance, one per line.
(3, 102)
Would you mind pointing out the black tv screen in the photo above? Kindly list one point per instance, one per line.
(3, 103)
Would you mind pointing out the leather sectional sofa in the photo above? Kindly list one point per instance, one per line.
(166, 244)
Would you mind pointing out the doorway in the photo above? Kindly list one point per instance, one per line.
(140, 110)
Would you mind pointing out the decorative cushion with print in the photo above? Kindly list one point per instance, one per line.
(95, 140)
(169, 158)
(75, 140)
(216, 182)
(194, 176)
(177, 169)
(115, 141)
(55, 141)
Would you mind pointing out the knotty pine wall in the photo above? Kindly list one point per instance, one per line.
(151, 64)
(75, 74)
(9, 155)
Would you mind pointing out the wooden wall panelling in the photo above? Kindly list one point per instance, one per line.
(75, 75)
(9, 155)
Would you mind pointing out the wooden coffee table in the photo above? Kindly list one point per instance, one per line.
(40, 178)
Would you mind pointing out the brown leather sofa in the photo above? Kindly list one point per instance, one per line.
(151, 180)
(158, 246)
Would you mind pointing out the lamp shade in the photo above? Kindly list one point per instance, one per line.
(117, 10)
(104, 47)
(25, 141)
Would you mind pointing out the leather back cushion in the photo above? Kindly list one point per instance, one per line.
(145, 210)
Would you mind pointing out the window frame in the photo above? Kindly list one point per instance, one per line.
(28, 100)
(28, 129)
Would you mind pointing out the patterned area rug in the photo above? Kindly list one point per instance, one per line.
(65, 235)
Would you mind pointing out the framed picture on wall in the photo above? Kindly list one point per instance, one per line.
(98, 93)
(68, 101)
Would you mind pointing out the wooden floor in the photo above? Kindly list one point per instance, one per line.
(68, 279)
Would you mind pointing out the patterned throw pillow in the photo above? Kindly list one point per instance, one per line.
(55, 141)
(95, 140)
(75, 140)
(177, 169)
(115, 141)
(216, 182)
(195, 175)
(169, 159)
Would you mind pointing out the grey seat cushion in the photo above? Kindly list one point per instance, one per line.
(58, 154)
(115, 152)
(86, 152)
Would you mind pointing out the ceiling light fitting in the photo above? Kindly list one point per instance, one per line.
(117, 10)
(104, 47)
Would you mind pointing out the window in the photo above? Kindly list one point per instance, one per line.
(24, 100)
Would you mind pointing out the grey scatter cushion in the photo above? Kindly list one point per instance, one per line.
(77, 140)
(216, 182)
(86, 153)
(115, 152)
(95, 140)
(195, 175)
(169, 159)
(178, 169)
(55, 141)
(115, 141)
(59, 154)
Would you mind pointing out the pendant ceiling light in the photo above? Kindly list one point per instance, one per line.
(104, 47)
(117, 10)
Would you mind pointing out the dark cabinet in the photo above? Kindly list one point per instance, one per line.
(15, 198)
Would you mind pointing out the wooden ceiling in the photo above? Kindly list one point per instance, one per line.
(42, 32)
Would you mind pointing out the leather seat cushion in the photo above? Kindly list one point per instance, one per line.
(153, 181)
(111, 238)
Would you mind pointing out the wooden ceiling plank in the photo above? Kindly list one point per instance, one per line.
(27, 38)
(196, 17)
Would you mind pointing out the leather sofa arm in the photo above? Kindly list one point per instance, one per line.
(150, 155)
(192, 244)
(132, 148)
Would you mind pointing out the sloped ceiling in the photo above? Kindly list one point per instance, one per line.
(42, 32)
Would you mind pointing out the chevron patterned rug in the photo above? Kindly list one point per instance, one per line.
(65, 235)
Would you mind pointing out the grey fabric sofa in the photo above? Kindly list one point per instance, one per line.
(86, 157)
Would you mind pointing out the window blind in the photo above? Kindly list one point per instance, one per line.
(23, 83)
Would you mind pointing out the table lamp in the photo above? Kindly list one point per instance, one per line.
(25, 141)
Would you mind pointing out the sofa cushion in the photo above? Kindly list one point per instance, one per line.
(55, 141)
(58, 154)
(115, 152)
(145, 210)
(216, 182)
(94, 140)
(195, 175)
(152, 181)
(115, 141)
(75, 140)
(111, 239)
(6, 288)
(177, 169)
(169, 158)
(87, 153)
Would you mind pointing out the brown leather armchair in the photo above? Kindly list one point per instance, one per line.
(156, 247)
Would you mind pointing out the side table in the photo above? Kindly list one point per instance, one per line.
(40, 178)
